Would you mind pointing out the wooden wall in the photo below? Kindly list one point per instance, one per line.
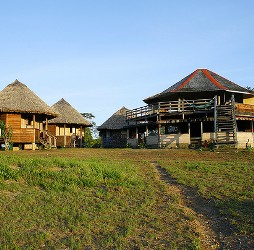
(249, 101)
(52, 129)
(245, 139)
(60, 141)
(20, 135)
(175, 140)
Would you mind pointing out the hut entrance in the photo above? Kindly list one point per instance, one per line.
(195, 133)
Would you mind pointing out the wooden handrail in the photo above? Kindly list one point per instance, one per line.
(171, 107)
(50, 137)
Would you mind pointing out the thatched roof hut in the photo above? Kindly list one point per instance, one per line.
(68, 115)
(201, 83)
(116, 121)
(18, 98)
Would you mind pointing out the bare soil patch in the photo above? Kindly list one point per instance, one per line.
(214, 229)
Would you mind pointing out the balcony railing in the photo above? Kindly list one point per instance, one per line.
(173, 107)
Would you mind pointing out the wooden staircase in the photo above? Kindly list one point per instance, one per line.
(48, 141)
(225, 124)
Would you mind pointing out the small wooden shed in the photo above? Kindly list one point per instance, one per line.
(27, 115)
(69, 126)
(113, 131)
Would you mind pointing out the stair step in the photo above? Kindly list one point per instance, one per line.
(225, 125)
(226, 142)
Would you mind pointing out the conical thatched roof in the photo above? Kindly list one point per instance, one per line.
(18, 98)
(68, 115)
(201, 80)
(116, 121)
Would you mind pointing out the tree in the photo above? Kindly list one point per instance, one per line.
(92, 139)
(6, 135)
(249, 88)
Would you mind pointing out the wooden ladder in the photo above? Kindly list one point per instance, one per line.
(225, 124)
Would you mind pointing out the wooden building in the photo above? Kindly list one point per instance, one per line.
(69, 126)
(113, 131)
(200, 109)
(27, 115)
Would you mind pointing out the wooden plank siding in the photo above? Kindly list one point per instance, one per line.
(60, 141)
(52, 129)
(20, 135)
(23, 135)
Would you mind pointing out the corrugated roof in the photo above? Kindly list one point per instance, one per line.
(116, 121)
(199, 81)
(18, 98)
(68, 114)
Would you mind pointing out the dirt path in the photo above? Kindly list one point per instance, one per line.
(213, 229)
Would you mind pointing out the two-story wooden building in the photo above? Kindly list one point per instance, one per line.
(69, 126)
(27, 116)
(200, 109)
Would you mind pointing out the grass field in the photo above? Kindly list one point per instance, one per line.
(115, 199)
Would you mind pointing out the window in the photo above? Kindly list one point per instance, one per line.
(172, 130)
(26, 121)
(177, 128)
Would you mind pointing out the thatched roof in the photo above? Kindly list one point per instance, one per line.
(201, 80)
(116, 121)
(18, 98)
(68, 115)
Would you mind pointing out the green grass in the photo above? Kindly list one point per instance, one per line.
(53, 202)
(113, 199)
(230, 183)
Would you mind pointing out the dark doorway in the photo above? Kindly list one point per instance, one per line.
(195, 133)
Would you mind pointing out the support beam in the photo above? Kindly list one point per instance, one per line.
(33, 143)
(159, 135)
(201, 129)
(64, 135)
(189, 132)
(218, 100)
(136, 136)
(215, 116)
(81, 136)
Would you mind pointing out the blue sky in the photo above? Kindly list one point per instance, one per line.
(101, 55)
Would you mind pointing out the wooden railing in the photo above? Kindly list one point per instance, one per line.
(51, 139)
(181, 106)
(142, 111)
(244, 108)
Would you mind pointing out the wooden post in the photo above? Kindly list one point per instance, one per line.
(128, 133)
(136, 136)
(81, 136)
(215, 116)
(252, 130)
(147, 130)
(159, 135)
(189, 132)
(33, 143)
(201, 128)
(218, 100)
(64, 135)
